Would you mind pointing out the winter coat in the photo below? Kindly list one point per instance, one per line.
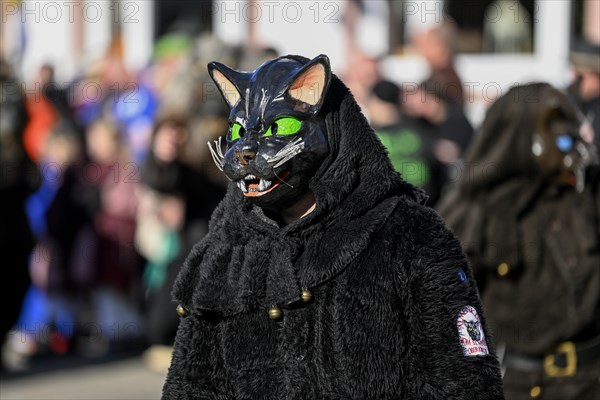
(389, 285)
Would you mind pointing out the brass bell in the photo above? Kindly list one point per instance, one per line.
(275, 313)
(535, 392)
(306, 295)
(503, 269)
(182, 312)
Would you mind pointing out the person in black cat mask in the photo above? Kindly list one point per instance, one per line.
(323, 274)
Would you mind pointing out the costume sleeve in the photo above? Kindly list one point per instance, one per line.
(197, 370)
(450, 351)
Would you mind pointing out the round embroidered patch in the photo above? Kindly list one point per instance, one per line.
(470, 332)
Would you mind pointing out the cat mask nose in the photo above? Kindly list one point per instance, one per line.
(245, 152)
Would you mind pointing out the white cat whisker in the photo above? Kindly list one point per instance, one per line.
(277, 176)
(287, 152)
(217, 155)
(289, 156)
(219, 147)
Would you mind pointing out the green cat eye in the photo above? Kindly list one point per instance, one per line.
(235, 131)
(284, 126)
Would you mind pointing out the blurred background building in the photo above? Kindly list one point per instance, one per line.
(497, 42)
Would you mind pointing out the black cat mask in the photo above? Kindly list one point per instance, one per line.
(277, 137)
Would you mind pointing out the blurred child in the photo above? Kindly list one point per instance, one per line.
(48, 314)
(117, 263)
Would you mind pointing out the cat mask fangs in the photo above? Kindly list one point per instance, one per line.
(277, 137)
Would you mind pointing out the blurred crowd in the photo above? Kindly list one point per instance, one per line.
(108, 183)
(111, 183)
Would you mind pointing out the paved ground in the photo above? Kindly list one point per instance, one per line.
(120, 379)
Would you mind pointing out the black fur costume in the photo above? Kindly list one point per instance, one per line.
(385, 276)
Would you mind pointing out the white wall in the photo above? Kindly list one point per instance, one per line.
(302, 27)
(307, 28)
(48, 27)
(96, 29)
(137, 22)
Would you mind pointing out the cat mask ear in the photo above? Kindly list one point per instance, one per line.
(225, 79)
(310, 84)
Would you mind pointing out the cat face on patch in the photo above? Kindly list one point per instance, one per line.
(276, 138)
(473, 329)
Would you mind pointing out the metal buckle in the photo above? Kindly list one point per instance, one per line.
(550, 368)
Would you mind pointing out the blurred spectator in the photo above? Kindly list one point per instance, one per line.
(383, 105)
(176, 202)
(435, 45)
(422, 142)
(57, 95)
(117, 263)
(205, 128)
(189, 90)
(409, 146)
(430, 106)
(19, 178)
(170, 53)
(361, 75)
(112, 92)
(585, 59)
(366, 28)
(55, 219)
(43, 114)
(529, 223)
(444, 129)
(363, 21)
(134, 110)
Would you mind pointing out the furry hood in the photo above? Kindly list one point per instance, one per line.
(248, 261)
(501, 178)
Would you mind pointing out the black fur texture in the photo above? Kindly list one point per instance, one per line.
(383, 270)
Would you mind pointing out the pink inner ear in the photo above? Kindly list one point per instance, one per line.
(309, 86)
(229, 90)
